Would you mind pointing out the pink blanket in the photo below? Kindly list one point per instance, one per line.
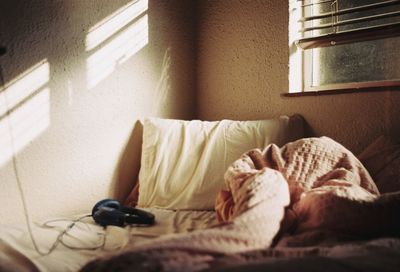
(330, 190)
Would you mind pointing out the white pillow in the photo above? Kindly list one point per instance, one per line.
(183, 162)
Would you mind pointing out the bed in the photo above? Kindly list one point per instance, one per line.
(223, 200)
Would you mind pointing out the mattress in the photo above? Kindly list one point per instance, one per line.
(87, 240)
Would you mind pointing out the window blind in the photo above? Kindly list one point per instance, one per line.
(326, 23)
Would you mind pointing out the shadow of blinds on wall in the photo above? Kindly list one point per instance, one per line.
(346, 44)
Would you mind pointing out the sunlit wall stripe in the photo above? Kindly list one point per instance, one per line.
(25, 110)
(103, 62)
(114, 23)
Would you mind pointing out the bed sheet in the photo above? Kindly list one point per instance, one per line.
(86, 240)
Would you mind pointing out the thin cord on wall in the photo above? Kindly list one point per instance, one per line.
(21, 191)
(15, 168)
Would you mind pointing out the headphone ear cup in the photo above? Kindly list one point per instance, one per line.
(108, 216)
(106, 203)
(107, 212)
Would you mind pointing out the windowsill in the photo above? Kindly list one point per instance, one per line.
(347, 88)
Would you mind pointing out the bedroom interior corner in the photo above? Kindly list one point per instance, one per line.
(223, 178)
(209, 60)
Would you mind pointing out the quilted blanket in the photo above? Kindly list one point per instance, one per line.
(329, 187)
(308, 186)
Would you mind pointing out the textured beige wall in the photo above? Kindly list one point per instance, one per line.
(74, 123)
(243, 70)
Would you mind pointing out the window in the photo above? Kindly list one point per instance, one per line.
(344, 45)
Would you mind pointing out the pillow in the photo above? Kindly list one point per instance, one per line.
(382, 160)
(183, 162)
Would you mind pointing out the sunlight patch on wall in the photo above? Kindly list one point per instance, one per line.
(113, 23)
(115, 40)
(24, 110)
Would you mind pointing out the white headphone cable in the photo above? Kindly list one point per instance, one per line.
(15, 169)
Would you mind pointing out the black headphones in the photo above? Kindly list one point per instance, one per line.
(110, 212)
